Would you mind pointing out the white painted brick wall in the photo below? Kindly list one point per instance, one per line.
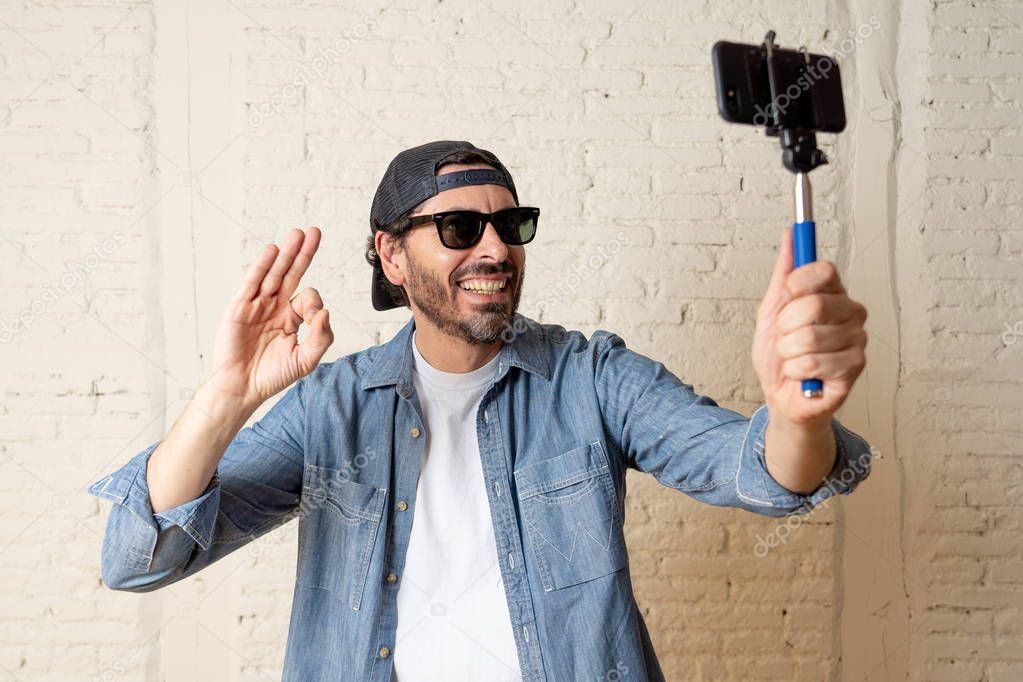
(144, 119)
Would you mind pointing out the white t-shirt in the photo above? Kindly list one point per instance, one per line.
(453, 620)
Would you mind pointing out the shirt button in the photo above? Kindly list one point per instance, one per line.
(415, 432)
(402, 505)
(384, 652)
(391, 578)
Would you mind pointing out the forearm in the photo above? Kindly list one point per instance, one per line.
(799, 457)
(182, 466)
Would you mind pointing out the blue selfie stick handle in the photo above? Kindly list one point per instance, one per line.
(804, 250)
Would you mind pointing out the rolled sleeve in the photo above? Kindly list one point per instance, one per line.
(757, 487)
(129, 488)
(256, 487)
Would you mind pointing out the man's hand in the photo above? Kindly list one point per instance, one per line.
(257, 353)
(807, 328)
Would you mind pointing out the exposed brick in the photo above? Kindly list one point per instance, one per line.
(606, 115)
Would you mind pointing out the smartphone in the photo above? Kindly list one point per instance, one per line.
(808, 88)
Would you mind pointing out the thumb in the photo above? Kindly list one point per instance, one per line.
(315, 345)
(777, 294)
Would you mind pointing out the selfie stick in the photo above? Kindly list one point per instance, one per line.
(804, 250)
(800, 155)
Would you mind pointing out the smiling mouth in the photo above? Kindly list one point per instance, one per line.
(481, 289)
(484, 286)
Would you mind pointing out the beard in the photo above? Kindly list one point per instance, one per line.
(487, 321)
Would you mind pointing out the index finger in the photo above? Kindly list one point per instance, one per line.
(301, 263)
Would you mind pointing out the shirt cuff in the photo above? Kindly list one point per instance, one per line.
(756, 486)
(128, 487)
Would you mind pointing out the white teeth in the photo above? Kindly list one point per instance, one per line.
(483, 285)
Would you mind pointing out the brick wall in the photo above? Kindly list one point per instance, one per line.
(962, 360)
(149, 149)
(77, 394)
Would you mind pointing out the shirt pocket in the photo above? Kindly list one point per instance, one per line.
(572, 517)
(340, 520)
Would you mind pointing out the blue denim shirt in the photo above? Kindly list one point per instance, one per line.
(565, 417)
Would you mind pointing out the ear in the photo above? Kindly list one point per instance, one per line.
(391, 258)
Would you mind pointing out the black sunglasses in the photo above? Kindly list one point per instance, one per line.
(464, 229)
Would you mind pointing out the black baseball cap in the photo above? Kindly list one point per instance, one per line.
(410, 179)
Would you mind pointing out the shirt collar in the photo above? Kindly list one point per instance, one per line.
(392, 363)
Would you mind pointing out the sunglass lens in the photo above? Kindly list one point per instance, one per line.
(460, 230)
(516, 226)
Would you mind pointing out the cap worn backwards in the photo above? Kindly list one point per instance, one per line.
(411, 178)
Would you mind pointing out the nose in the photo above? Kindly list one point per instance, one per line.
(492, 245)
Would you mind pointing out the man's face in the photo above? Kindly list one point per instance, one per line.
(438, 279)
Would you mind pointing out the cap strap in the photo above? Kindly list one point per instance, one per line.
(475, 176)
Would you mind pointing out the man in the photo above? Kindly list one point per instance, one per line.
(461, 488)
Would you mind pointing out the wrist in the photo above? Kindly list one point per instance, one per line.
(799, 456)
(229, 410)
(781, 423)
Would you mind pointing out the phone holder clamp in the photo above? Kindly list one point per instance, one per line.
(799, 145)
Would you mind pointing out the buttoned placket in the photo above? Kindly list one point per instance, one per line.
(409, 444)
(509, 546)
